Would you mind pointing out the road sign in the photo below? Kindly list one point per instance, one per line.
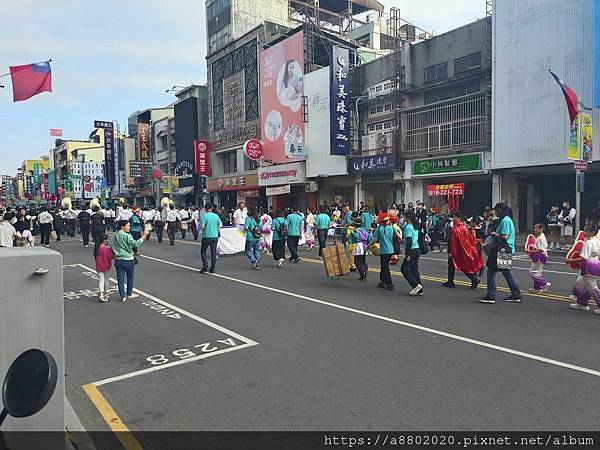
(580, 165)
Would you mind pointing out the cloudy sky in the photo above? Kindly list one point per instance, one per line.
(114, 57)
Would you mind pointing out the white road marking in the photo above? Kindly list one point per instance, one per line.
(445, 261)
(395, 321)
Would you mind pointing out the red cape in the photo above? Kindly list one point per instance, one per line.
(464, 251)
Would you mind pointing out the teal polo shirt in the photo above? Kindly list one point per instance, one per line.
(385, 236)
(322, 222)
(410, 231)
(367, 220)
(210, 225)
(294, 224)
(506, 226)
(250, 224)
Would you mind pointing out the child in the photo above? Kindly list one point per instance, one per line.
(359, 241)
(104, 257)
(539, 256)
(586, 286)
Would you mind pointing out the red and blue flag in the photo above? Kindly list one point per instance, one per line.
(30, 79)
(570, 97)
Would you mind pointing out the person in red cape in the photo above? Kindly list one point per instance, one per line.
(462, 253)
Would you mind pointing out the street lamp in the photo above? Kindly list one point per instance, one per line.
(175, 88)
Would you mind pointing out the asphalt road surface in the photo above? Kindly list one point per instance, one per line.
(289, 349)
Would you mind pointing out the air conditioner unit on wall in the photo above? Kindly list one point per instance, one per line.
(383, 140)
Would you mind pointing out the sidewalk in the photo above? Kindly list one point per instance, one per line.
(520, 244)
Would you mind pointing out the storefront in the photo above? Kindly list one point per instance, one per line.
(463, 181)
(228, 191)
(285, 185)
(378, 185)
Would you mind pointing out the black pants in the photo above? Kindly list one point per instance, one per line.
(435, 240)
(410, 269)
(278, 248)
(71, 225)
(96, 233)
(182, 230)
(45, 229)
(212, 243)
(85, 234)
(384, 275)
(194, 229)
(137, 235)
(171, 231)
(322, 237)
(292, 244)
(360, 261)
(110, 223)
(452, 272)
(159, 227)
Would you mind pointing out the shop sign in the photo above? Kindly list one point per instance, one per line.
(580, 165)
(253, 149)
(340, 99)
(249, 193)
(109, 150)
(447, 165)
(201, 157)
(233, 183)
(184, 169)
(292, 173)
(103, 124)
(144, 141)
(372, 164)
(137, 169)
(434, 190)
(279, 190)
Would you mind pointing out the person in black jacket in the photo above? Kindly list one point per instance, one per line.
(85, 218)
(57, 223)
(97, 224)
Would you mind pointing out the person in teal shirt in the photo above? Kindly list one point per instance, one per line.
(322, 223)
(410, 265)
(360, 237)
(294, 230)
(366, 219)
(279, 230)
(505, 235)
(385, 236)
(253, 230)
(211, 223)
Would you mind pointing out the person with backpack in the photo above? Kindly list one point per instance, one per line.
(211, 225)
(97, 221)
(253, 234)
(384, 234)
(293, 223)
(85, 218)
(359, 239)
(410, 265)
(280, 231)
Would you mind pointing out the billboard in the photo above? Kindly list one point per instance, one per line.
(282, 97)
(340, 95)
(202, 157)
(144, 141)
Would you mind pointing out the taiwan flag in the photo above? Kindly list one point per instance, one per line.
(30, 80)
(570, 97)
(156, 173)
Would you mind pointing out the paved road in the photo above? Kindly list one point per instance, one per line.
(289, 349)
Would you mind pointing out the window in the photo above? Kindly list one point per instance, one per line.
(387, 126)
(229, 162)
(450, 92)
(436, 73)
(373, 111)
(388, 107)
(467, 63)
(379, 109)
(250, 164)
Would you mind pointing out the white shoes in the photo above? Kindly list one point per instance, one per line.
(417, 291)
(280, 263)
(579, 307)
(132, 296)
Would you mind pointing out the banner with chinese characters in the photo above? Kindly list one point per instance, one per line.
(468, 163)
(201, 157)
(434, 190)
(281, 99)
(109, 156)
(339, 94)
(144, 141)
(36, 173)
(372, 164)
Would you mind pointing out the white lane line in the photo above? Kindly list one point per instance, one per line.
(445, 261)
(397, 322)
(186, 313)
(171, 364)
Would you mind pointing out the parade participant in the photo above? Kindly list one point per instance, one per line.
(366, 218)
(97, 224)
(159, 223)
(421, 215)
(137, 227)
(462, 253)
(84, 219)
(553, 228)
(410, 265)
(57, 222)
(172, 217)
(195, 221)
(7, 231)
(505, 237)
(70, 216)
(309, 228)
(240, 214)
(279, 230)
(253, 235)
(267, 238)
(393, 212)
(539, 257)
(336, 215)
(211, 225)
(359, 238)
(322, 223)
(46, 224)
(384, 235)
(125, 213)
(293, 223)
(566, 221)
(103, 256)
(122, 245)
(586, 286)
(148, 216)
(184, 218)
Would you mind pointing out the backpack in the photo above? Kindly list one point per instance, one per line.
(282, 230)
(97, 220)
(363, 236)
(256, 232)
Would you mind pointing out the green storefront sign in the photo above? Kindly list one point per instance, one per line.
(447, 165)
(69, 186)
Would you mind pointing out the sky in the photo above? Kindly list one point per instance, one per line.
(120, 56)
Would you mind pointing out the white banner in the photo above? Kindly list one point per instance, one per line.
(233, 240)
(278, 190)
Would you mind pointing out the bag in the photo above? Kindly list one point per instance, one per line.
(183, 226)
(504, 259)
(423, 250)
(283, 231)
(53, 235)
(488, 245)
(97, 221)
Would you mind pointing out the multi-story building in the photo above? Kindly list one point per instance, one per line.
(531, 131)
(86, 179)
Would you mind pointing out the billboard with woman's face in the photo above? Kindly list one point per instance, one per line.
(281, 95)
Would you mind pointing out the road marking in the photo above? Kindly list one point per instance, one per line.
(112, 418)
(397, 322)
